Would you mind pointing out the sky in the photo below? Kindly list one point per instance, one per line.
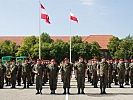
(100, 17)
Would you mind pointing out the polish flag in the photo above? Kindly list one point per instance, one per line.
(44, 15)
(72, 17)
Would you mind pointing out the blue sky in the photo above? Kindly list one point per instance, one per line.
(21, 17)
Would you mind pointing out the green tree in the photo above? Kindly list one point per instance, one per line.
(8, 48)
(46, 38)
(95, 50)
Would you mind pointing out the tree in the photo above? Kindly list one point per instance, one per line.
(76, 39)
(46, 38)
(26, 46)
(113, 46)
(8, 48)
(95, 50)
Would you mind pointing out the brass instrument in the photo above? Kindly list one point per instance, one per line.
(8, 74)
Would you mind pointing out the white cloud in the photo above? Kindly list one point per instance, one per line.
(87, 2)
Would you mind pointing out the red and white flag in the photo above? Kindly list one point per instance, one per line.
(72, 17)
(44, 15)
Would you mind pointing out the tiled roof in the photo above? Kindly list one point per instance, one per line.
(101, 39)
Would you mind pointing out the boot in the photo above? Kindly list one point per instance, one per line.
(27, 86)
(131, 85)
(78, 90)
(38, 92)
(101, 91)
(104, 91)
(68, 91)
(24, 85)
(64, 91)
(83, 91)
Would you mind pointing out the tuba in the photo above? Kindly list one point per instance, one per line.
(8, 74)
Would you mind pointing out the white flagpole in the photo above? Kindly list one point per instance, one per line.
(39, 31)
(70, 42)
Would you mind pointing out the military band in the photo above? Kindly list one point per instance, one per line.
(40, 72)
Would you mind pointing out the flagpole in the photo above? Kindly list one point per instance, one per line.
(70, 42)
(39, 32)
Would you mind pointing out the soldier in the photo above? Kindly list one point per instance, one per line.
(2, 72)
(53, 70)
(103, 75)
(80, 71)
(19, 74)
(32, 73)
(121, 73)
(14, 70)
(26, 69)
(8, 73)
(131, 73)
(110, 73)
(38, 70)
(45, 73)
(115, 72)
(67, 70)
(126, 72)
(94, 72)
(89, 70)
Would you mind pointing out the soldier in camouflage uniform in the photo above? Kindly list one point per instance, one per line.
(32, 73)
(14, 70)
(53, 70)
(81, 71)
(115, 72)
(38, 70)
(19, 75)
(26, 73)
(131, 73)
(89, 65)
(126, 72)
(8, 72)
(94, 72)
(67, 70)
(2, 72)
(110, 73)
(121, 73)
(103, 75)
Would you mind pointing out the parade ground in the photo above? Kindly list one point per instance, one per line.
(114, 93)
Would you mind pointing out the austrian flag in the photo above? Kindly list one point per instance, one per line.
(72, 17)
(44, 15)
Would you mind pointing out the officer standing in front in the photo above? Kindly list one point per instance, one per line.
(38, 70)
(53, 70)
(103, 75)
(81, 71)
(67, 69)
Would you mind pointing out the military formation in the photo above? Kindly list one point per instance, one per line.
(39, 72)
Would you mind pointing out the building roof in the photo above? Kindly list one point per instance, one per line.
(101, 39)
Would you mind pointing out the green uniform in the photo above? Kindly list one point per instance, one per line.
(2, 72)
(121, 73)
(94, 74)
(26, 74)
(115, 73)
(110, 74)
(103, 76)
(80, 68)
(89, 71)
(19, 75)
(66, 69)
(127, 73)
(8, 71)
(38, 70)
(131, 74)
(14, 70)
(53, 75)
